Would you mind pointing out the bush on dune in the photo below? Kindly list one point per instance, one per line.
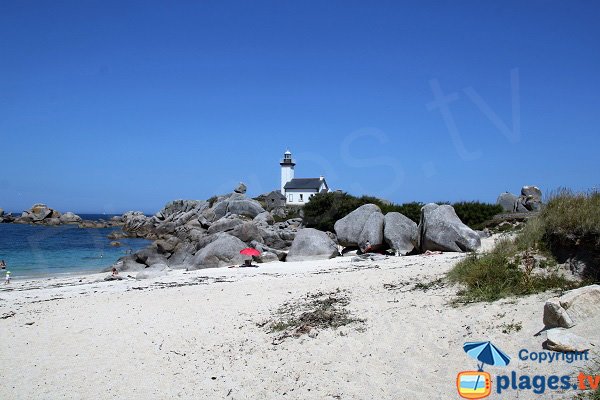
(508, 270)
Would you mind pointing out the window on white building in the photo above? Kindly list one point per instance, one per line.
(301, 198)
(290, 198)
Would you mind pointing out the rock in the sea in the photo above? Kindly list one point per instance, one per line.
(1, 212)
(70, 218)
(224, 250)
(311, 244)
(574, 307)
(365, 224)
(400, 232)
(115, 244)
(241, 188)
(39, 211)
(440, 229)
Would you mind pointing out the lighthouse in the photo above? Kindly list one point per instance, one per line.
(287, 170)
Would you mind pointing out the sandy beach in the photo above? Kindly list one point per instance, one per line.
(204, 334)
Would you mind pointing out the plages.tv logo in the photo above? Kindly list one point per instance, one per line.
(478, 384)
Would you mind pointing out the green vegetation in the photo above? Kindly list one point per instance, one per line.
(475, 213)
(573, 213)
(324, 209)
(510, 268)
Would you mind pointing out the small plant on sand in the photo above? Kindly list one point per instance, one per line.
(512, 327)
(314, 312)
(502, 273)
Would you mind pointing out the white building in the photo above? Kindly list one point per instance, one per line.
(298, 191)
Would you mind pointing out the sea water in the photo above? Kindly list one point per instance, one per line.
(51, 251)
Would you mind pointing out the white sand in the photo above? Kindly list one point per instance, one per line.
(144, 340)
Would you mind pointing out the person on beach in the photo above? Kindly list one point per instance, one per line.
(115, 272)
(7, 279)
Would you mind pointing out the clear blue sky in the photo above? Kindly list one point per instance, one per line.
(107, 106)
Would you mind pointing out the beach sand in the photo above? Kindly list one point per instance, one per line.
(201, 335)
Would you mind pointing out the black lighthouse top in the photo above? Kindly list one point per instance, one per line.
(287, 159)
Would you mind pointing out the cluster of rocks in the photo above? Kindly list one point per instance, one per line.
(570, 319)
(194, 234)
(529, 200)
(439, 229)
(41, 214)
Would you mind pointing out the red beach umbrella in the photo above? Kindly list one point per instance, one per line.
(249, 251)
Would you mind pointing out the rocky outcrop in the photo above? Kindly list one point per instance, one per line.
(440, 229)
(223, 250)
(400, 233)
(363, 227)
(508, 201)
(311, 244)
(70, 218)
(529, 200)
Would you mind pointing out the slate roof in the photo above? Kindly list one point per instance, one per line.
(304, 183)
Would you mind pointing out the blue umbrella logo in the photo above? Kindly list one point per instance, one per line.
(486, 353)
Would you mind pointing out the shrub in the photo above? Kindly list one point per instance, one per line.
(475, 213)
(572, 213)
(324, 209)
(494, 275)
(497, 274)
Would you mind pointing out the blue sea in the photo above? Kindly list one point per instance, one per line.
(40, 251)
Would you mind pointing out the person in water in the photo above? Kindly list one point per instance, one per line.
(2, 264)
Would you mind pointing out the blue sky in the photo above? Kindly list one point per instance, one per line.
(109, 106)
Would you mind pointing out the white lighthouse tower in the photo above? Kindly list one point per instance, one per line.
(287, 170)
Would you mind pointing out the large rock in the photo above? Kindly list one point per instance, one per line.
(138, 224)
(561, 340)
(311, 244)
(154, 271)
(532, 192)
(127, 263)
(70, 218)
(182, 256)
(1, 212)
(224, 225)
(264, 218)
(39, 212)
(400, 232)
(508, 201)
(224, 250)
(248, 207)
(572, 308)
(247, 232)
(241, 188)
(365, 224)
(440, 229)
